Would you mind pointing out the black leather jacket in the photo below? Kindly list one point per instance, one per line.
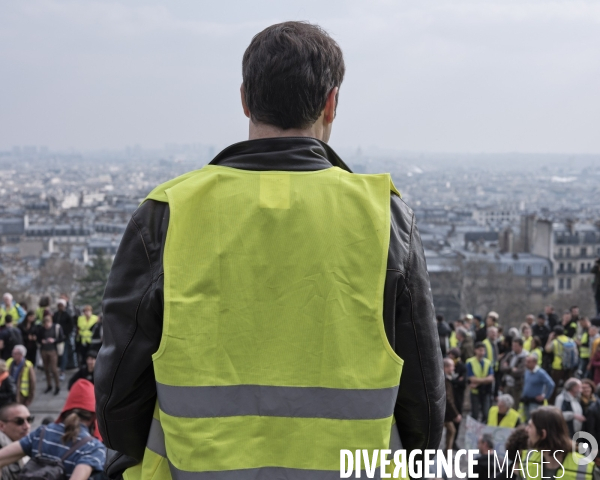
(133, 313)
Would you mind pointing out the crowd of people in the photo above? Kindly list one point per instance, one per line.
(53, 339)
(56, 340)
(504, 376)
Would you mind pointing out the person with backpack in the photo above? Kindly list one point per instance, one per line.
(566, 358)
(66, 449)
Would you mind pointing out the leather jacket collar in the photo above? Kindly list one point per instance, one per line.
(296, 154)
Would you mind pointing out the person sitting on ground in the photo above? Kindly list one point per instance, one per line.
(552, 453)
(15, 423)
(22, 372)
(568, 403)
(86, 372)
(8, 390)
(75, 423)
(503, 415)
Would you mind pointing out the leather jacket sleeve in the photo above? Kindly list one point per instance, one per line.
(408, 306)
(133, 319)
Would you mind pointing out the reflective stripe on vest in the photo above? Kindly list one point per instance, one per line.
(584, 347)
(478, 370)
(572, 471)
(156, 445)
(84, 327)
(509, 420)
(23, 376)
(273, 354)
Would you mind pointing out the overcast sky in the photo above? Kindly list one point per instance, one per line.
(423, 75)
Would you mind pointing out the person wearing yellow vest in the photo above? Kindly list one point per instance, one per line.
(491, 346)
(536, 350)
(85, 325)
(569, 324)
(584, 343)
(503, 415)
(9, 307)
(22, 372)
(527, 338)
(552, 453)
(246, 329)
(43, 309)
(555, 345)
(480, 375)
(452, 340)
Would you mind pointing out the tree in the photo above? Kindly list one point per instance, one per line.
(58, 276)
(91, 286)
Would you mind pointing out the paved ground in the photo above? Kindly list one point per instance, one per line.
(48, 404)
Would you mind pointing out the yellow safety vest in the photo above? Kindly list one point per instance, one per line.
(509, 420)
(478, 370)
(12, 311)
(24, 375)
(584, 347)
(273, 354)
(538, 353)
(39, 313)
(452, 340)
(532, 467)
(85, 328)
(527, 344)
(557, 349)
(489, 353)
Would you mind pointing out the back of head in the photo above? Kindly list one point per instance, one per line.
(558, 330)
(550, 420)
(80, 406)
(288, 70)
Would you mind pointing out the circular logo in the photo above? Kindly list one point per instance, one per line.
(587, 446)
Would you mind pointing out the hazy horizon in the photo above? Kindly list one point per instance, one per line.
(427, 76)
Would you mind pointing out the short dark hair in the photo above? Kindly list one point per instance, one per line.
(8, 319)
(479, 345)
(518, 340)
(5, 409)
(558, 330)
(288, 70)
